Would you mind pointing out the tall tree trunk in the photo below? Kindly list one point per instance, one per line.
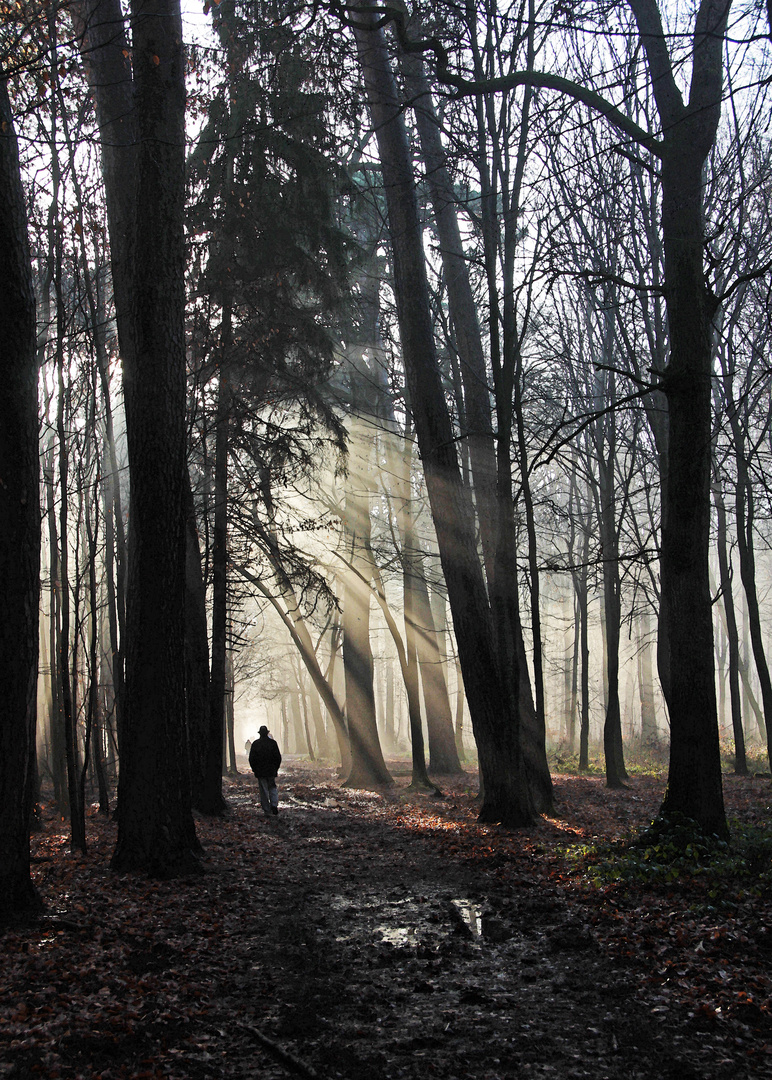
(368, 768)
(572, 677)
(745, 546)
(495, 716)
(492, 492)
(77, 813)
(196, 664)
(213, 802)
(19, 531)
(646, 687)
(443, 755)
(612, 601)
(58, 755)
(410, 572)
(732, 635)
(689, 132)
(231, 766)
(320, 732)
(580, 579)
(155, 825)
(298, 631)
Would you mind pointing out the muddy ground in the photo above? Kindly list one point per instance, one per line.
(364, 935)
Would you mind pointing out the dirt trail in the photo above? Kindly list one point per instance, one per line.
(390, 954)
(356, 936)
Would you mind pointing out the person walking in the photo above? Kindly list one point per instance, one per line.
(264, 761)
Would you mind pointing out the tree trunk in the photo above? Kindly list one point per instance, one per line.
(411, 570)
(19, 531)
(196, 664)
(646, 688)
(322, 742)
(443, 756)
(57, 749)
(612, 608)
(299, 633)
(689, 131)
(694, 777)
(732, 635)
(572, 681)
(231, 767)
(745, 547)
(580, 588)
(213, 802)
(368, 768)
(495, 717)
(492, 492)
(155, 825)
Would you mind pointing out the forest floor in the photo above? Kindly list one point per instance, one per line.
(362, 935)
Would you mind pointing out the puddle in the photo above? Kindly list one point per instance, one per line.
(401, 937)
(471, 916)
(410, 924)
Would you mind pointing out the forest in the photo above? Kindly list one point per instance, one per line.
(391, 375)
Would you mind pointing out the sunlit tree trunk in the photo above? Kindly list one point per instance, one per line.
(230, 715)
(732, 635)
(411, 570)
(495, 717)
(492, 480)
(443, 755)
(58, 760)
(368, 768)
(646, 687)
(293, 620)
(744, 509)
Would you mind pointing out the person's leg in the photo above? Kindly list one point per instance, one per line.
(263, 783)
(273, 794)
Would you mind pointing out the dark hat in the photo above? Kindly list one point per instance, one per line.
(263, 730)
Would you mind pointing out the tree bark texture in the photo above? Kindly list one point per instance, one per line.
(688, 134)
(155, 825)
(19, 531)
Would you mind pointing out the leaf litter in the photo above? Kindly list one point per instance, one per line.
(365, 934)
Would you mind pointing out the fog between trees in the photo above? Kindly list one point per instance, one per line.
(402, 383)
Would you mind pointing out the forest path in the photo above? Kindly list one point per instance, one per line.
(363, 936)
(394, 936)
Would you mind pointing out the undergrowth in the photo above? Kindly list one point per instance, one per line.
(639, 760)
(651, 760)
(756, 758)
(676, 852)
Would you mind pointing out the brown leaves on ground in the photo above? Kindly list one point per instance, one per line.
(366, 934)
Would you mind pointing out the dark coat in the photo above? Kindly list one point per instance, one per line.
(264, 756)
